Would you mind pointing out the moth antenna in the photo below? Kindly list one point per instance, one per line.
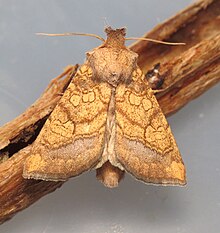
(155, 41)
(71, 34)
(106, 24)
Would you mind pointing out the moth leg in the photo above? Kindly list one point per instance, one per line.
(163, 89)
(68, 69)
(60, 94)
(160, 90)
(154, 78)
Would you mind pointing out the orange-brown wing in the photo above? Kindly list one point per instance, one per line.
(144, 142)
(72, 139)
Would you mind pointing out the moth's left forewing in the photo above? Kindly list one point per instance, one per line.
(72, 139)
(144, 142)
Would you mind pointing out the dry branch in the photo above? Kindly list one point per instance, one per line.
(188, 70)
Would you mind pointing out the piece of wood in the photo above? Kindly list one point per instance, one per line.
(16, 137)
(189, 71)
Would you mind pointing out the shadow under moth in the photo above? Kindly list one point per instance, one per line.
(108, 119)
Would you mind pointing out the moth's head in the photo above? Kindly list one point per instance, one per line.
(115, 37)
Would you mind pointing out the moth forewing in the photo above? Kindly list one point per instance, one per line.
(144, 143)
(72, 138)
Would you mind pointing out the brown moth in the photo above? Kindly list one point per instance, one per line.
(108, 119)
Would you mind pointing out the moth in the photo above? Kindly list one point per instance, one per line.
(108, 119)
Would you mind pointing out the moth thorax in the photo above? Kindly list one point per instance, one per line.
(112, 65)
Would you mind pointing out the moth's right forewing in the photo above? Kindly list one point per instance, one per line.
(144, 142)
(72, 139)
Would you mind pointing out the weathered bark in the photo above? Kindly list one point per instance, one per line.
(188, 70)
(16, 138)
(191, 69)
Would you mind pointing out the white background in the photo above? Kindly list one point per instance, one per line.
(83, 205)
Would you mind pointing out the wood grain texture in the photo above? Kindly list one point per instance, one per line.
(198, 25)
